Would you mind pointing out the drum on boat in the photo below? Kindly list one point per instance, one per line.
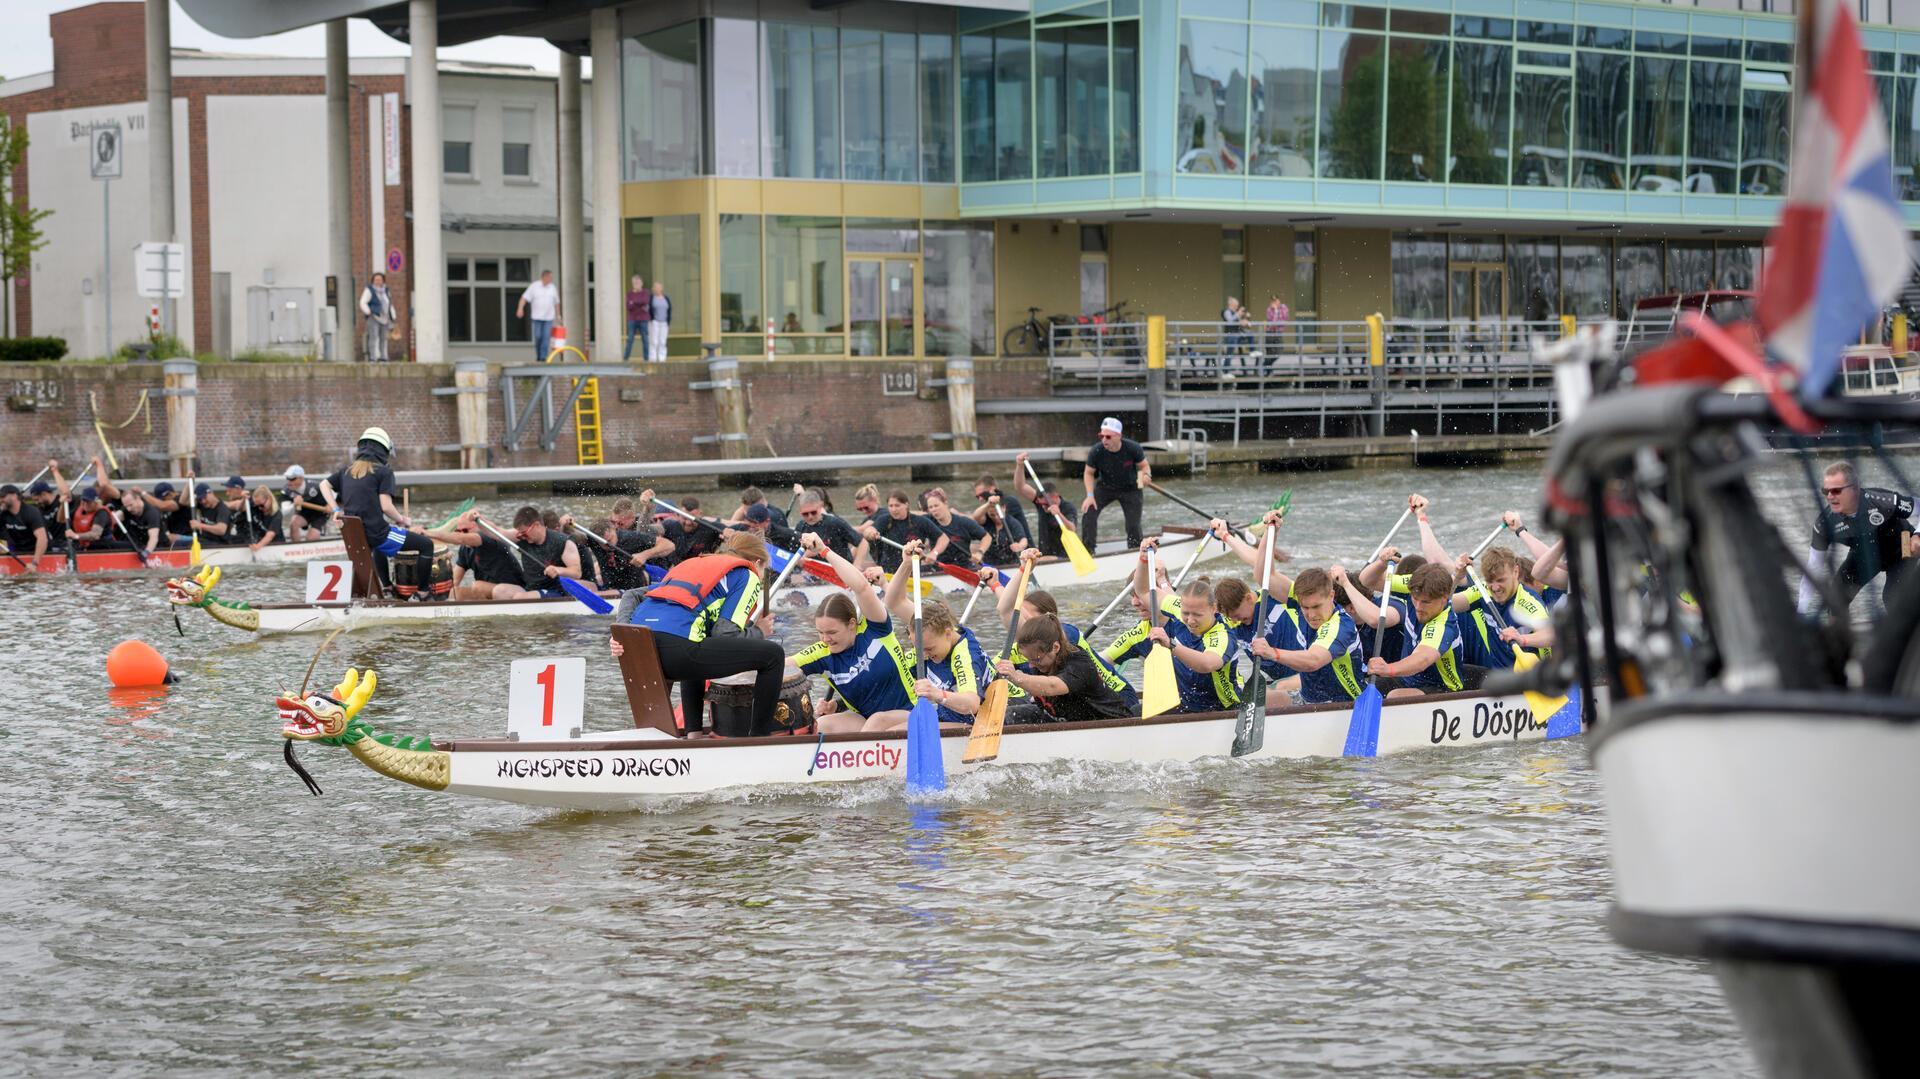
(730, 702)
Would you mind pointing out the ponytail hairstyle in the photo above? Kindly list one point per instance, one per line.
(1041, 634)
(360, 469)
(1043, 601)
(750, 547)
(840, 607)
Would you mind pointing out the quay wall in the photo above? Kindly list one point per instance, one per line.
(258, 418)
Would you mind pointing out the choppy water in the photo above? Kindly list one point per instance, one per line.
(172, 900)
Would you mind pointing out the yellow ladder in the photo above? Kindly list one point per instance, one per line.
(586, 424)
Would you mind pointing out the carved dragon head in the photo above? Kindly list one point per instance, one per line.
(322, 717)
(195, 591)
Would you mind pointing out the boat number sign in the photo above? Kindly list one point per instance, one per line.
(329, 582)
(546, 698)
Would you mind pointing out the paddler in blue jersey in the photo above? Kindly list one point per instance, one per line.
(1511, 607)
(957, 667)
(858, 651)
(699, 614)
(1432, 660)
(1326, 643)
(1203, 649)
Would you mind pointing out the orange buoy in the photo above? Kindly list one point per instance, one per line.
(136, 663)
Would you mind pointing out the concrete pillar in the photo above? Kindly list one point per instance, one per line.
(340, 193)
(181, 380)
(960, 411)
(1156, 378)
(470, 404)
(428, 285)
(160, 138)
(729, 403)
(610, 274)
(573, 235)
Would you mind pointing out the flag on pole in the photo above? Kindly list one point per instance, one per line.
(1840, 249)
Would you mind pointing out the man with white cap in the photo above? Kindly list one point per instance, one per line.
(1116, 471)
(306, 506)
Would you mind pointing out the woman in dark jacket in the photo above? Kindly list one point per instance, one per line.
(364, 489)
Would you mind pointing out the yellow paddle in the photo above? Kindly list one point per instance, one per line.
(193, 514)
(1162, 690)
(984, 743)
(1077, 552)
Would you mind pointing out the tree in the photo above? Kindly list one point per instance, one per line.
(20, 234)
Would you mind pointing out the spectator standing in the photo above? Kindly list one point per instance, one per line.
(1116, 471)
(662, 315)
(541, 303)
(1233, 330)
(377, 305)
(1277, 316)
(639, 311)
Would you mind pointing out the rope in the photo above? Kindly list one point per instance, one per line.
(143, 406)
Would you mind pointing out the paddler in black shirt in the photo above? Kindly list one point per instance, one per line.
(211, 517)
(484, 567)
(837, 534)
(140, 524)
(553, 552)
(1873, 524)
(1044, 501)
(1116, 471)
(306, 506)
(898, 523)
(176, 513)
(22, 528)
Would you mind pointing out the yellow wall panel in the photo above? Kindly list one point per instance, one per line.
(1167, 269)
(1039, 266)
(1356, 273)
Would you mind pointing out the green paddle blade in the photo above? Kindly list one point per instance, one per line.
(1286, 499)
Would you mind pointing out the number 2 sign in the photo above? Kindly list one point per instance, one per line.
(546, 698)
(329, 582)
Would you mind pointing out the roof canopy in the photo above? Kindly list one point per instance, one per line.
(563, 22)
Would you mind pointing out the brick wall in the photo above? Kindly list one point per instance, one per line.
(259, 418)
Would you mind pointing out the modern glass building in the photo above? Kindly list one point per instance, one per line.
(907, 179)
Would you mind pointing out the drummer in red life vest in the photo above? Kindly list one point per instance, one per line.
(699, 617)
(88, 525)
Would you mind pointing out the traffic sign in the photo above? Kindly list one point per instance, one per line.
(103, 160)
(160, 270)
(396, 261)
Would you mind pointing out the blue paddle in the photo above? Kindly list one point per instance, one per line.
(1363, 730)
(573, 586)
(926, 771)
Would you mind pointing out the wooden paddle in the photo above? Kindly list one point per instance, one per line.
(1363, 726)
(984, 743)
(1160, 689)
(574, 587)
(926, 769)
(1070, 541)
(1250, 726)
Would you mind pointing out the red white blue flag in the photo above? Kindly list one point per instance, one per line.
(1840, 250)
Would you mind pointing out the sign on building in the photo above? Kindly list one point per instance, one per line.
(390, 137)
(160, 270)
(107, 150)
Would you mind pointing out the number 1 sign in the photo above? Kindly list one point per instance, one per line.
(546, 698)
(329, 582)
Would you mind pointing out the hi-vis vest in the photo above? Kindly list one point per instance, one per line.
(1527, 611)
(692, 581)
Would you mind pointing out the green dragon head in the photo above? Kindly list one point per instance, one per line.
(327, 717)
(195, 591)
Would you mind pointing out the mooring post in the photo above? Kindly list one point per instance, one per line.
(960, 408)
(180, 385)
(1156, 378)
(470, 410)
(729, 401)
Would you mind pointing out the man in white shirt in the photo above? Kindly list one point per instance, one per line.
(542, 301)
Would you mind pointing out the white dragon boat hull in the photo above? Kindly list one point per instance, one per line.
(611, 771)
(316, 617)
(178, 558)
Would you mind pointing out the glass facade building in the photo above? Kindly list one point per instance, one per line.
(905, 179)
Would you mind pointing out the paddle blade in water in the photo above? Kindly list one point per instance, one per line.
(984, 743)
(1363, 730)
(1162, 692)
(926, 772)
(193, 556)
(1250, 728)
(586, 595)
(1077, 552)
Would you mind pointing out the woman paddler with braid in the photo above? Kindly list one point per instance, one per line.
(699, 614)
(859, 653)
(364, 489)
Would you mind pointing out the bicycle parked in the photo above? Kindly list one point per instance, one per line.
(1032, 338)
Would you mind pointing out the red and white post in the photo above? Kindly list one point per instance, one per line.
(769, 340)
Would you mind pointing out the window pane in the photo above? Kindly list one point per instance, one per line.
(1481, 81)
(456, 269)
(660, 87)
(459, 315)
(516, 142)
(881, 234)
(740, 273)
(518, 327)
(1713, 128)
(936, 109)
(1603, 83)
(1638, 273)
(1086, 100)
(487, 322)
(1419, 277)
(1050, 137)
(863, 307)
(976, 104)
(456, 123)
(803, 274)
(1689, 265)
(1306, 284)
(516, 125)
(1416, 109)
(1736, 265)
(1659, 123)
(1351, 71)
(1906, 146)
(456, 158)
(957, 278)
(860, 103)
(520, 272)
(516, 159)
(804, 75)
(1586, 274)
(1012, 71)
(736, 98)
(1283, 72)
(1126, 97)
(1764, 140)
(1093, 286)
(1540, 107)
(1233, 282)
(1212, 132)
(1533, 278)
(486, 269)
(665, 251)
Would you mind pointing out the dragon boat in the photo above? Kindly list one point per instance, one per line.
(176, 558)
(655, 759)
(365, 605)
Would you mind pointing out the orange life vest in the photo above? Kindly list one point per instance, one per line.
(82, 521)
(691, 582)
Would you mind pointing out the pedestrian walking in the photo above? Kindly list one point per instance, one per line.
(541, 301)
(639, 313)
(661, 313)
(376, 304)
